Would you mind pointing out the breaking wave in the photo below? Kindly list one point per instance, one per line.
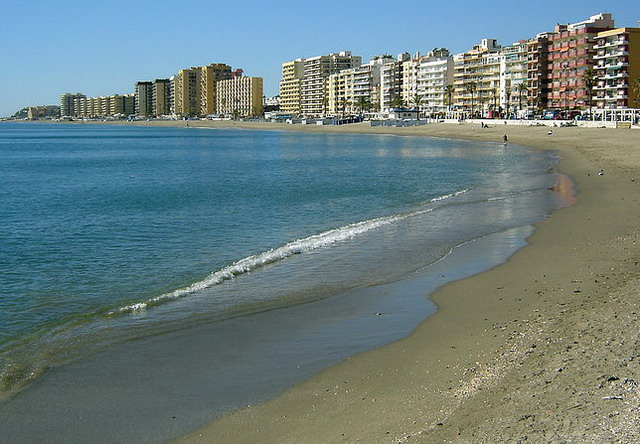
(274, 255)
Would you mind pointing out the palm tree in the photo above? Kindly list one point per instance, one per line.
(522, 89)
(589, 78)
(471, 88)
(635, 87)
(343, 105)
(448, 90)
(494, 95)
(363, 104)
(417, 100)
(481, 101)
(397, 101)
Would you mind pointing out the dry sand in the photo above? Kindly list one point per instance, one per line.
(544, 348)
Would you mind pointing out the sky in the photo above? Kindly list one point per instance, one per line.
(48, 48)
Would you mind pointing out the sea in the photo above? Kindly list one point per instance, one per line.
(154, 278)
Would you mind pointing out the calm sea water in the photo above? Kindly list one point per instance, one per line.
(112, 233)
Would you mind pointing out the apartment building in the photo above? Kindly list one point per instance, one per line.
(292, 74)
(410, 71)
(187, 92)
(435, 73)
(571, 54)
(476, 77)
(356, 90)
(617, 68)
(538, 71)
(121, 105)
(391, 78)
(240, 96)
(144, 99)
(314, 98)
(161, 92)
(103, 106)
(68, 104)
(209, 77)
(514, 78)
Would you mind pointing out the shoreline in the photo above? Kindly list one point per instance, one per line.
(538, 341)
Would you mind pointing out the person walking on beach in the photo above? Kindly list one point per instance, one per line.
(505, 139)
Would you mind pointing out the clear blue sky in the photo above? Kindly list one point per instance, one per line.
(103, 47)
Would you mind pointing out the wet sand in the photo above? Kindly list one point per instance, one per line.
(543, 348)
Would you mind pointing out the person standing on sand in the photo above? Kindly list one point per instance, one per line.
(505, 138)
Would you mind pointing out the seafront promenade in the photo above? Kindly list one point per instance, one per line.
(543, 347)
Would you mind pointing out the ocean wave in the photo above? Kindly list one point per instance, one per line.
(271, 256)
(449, 196)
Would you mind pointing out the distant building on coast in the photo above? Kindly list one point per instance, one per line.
(161, 97)
(68, 104)
(43, 112)
(144, 98)
(292, 74)
(356, 90)
(304, 88)
(216, 89)
(240, 97)
(79, 105)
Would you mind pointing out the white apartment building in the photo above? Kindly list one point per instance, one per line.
(314, 99)
(513, 77)
(391, 82)
(355, 90)
(435, 73)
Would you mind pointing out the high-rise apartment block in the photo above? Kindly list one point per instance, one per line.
(538, 71)
(312, 76)
(513, 76)
(391, 82)
(476, 76)
(435, 73)
(292, 73)
(571, 54)
(617, 68)
(187, 92)
(209, 77)
(68, 104)
(161, 92)
(240, 96)
(144, 98)
(356, 90)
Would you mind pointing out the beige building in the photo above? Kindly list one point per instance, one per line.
(292, 73)
(161, 97)
(476, 76)
(356, 90)
(210, 75)
(314, 81)
(240, 96)
(144, 98)
(187, 92)
(617, 68)
(410, 72)
(67, 103)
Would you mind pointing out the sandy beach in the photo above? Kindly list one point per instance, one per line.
(544, 348)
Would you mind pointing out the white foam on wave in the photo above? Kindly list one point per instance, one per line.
(449, 196)
(298, 246)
